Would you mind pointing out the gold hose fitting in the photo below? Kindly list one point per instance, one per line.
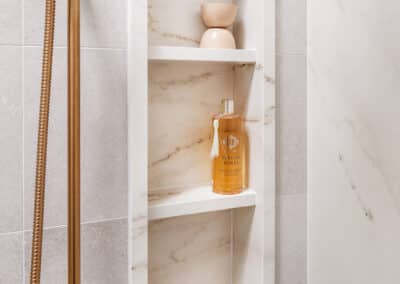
(41, 154)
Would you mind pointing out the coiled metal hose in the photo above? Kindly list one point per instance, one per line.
(41, 154)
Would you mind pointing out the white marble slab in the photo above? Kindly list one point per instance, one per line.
(353, 138)
(193, 249)
(182, 100)
(175, 22)
(137, 142)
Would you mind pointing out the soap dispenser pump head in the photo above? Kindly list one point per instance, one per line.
(228, 106)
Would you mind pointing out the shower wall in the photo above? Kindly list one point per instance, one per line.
(104, 142)
(291, 142)
(104, 149)
(353, 141)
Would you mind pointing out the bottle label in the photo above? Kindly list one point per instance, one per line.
(230, 141)
(228, 166)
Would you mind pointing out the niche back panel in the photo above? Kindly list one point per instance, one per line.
(175, 22)
(182, 99)
(191, 249)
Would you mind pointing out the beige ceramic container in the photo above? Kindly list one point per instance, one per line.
(218, 15)
(217, 38)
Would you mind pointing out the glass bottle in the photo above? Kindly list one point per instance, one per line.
(228, 151)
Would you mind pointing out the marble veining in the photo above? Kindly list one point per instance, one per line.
(175, 26)
(353, 186)
(191, 79)
(182, 100)
(155, 196)
(269, 116)
(192, 247)
(269, 79)
(177, 150)
(353, 140)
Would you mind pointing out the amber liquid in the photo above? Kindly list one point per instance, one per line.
(228, 167)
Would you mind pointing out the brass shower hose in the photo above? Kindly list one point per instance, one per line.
(41, 154)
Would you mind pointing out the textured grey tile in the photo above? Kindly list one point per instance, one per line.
(10, 21)
(10, 139)
(102, 24)
(11, 259)
(292, 123)
(54, 256)
(34, 11)
(292, 239)
(56, 177)
(104, 135)
(104, 257)
(291, 26)
(104, 252)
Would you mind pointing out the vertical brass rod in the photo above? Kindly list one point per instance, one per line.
(74, 141)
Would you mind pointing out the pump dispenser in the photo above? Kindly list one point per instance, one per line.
(227, 151)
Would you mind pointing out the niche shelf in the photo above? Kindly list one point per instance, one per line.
(195, 54)
(194, 201)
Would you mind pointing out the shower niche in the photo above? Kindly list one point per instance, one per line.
(179, 231)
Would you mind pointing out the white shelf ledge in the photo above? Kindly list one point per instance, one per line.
(194, 201)
(193, 54)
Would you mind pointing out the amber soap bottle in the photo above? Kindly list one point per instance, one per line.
(227, 151)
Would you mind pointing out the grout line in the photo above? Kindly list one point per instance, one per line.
(84, 223)
(10, 45)
(290, 194)
(82, 47)
(23, 136)
(10, 233)
(104, 220)
(64, 47)
(280, 54)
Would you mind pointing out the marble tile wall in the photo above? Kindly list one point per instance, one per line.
(103, 38)
(195, 249)
(291, 142)
(182, 100)
(104, 149)
(353, 139)
(169, 26)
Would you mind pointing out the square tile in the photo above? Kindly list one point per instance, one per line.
(56, 177)
(11, 22)
(291, 26)
(292, 239)
(11, 139)
(34, 12)
(292, 123)
(54, 256)
(102, 24)
(11, 259)
(105, 252)
(104, 135)
(104, 257)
